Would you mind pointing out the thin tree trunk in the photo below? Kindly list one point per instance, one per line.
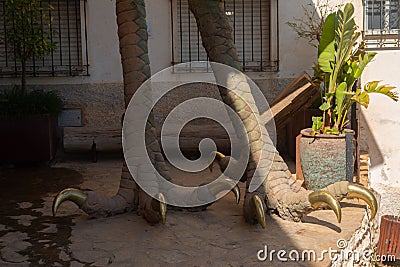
(23, 77)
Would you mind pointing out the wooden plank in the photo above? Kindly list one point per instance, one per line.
(302, 79)
(299, 170)
(299, 99)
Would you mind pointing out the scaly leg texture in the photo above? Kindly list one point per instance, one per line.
(278, 191)
(132, 33)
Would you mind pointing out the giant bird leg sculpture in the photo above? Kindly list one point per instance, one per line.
(278, 191)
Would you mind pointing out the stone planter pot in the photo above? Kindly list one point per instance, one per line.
(300, 120)
(326, 159)
(389, 237)
(30, 139)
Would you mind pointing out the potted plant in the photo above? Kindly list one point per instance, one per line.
(28, 126)
(326, 151)
(28, 120)
(309, 28)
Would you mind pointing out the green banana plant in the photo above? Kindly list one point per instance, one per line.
(341, 61)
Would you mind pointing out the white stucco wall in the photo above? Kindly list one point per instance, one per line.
(383, 121)
(295, 55)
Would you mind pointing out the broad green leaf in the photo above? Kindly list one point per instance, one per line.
(325, 106)
(340, 96)
(326, 48)
(362, 98)
(348, 10)
(317, 123)
(373, 87)
(345, 38)
(363, 62)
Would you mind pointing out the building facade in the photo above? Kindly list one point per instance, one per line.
(86, 70)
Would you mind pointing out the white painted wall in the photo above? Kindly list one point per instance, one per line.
(295, 55)
(383, 121)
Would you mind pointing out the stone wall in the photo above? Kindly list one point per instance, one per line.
(102, 106)
(365, 239)
(102, 103)
(363, 242)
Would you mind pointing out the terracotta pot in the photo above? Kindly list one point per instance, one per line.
(326, 159)
(31, 139)
(389, 237)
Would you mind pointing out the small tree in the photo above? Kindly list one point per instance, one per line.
(27, 36)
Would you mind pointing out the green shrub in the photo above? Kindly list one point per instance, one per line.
(13, 103)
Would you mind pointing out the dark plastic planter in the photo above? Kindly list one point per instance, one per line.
(25, 140)
(326, 159)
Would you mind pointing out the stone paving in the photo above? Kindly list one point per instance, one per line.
(29, 235)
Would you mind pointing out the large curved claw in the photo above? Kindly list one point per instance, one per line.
(71, 194)
(236, 191)
(225, 184)
(163, 207)
(259, 210)
(218, 157)
(358, 191)
(223, 162)
(320, 197)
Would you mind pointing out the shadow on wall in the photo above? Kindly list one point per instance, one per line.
(368, 143)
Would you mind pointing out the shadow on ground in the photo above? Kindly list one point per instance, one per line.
(29, 235)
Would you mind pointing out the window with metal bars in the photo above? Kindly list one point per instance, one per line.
(68, 32)
(381, 28)
(252, 29)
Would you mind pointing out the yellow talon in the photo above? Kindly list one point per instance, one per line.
(163, 207)
(75, 195)
(218, 157)
(225, 184)
(320, 197)
(259, 210)
(358, 191)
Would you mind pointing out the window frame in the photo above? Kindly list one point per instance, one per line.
(49, 67)
(270, 65)
(383, 37)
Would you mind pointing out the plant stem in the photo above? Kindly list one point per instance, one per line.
(23, 77)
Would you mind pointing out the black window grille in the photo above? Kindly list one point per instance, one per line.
(381, 29)
(68, 31)
(251, 23)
